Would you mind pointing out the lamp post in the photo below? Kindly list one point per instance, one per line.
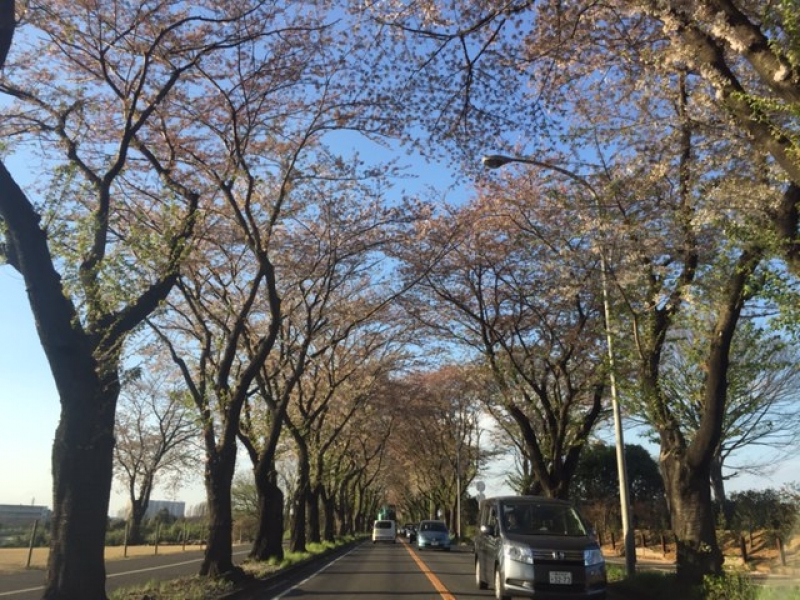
(495, 161)
(458, 492)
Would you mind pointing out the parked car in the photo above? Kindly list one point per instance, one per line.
(534, 547)
(433, 534)
(384, 530)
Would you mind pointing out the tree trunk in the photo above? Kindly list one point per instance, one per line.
(687, 469)
(297, 542)
(8, 23)
(139, 509)
(718, 487)
(343, 511)
(691, 513)
(345, 494)
(358, 513)
(313, 516)
(297, 537)
(329, 521)
(83, 453)
(218, 559)
(136, 518)
(269, 536)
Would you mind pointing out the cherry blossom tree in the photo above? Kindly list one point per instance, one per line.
(332, 288)
(155, 441)
(258, 143)
(103, 227)
(504, 279)
(595, 88)
(760, 410)
(437, 441)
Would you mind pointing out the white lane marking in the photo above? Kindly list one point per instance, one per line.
(310, 577)
(21, 591)
(177, 564)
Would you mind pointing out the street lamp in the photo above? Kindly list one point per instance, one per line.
(458, 492)
(495, 161)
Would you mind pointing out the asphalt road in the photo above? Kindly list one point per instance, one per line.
(28, 585)
(364, 571)
(379, 572)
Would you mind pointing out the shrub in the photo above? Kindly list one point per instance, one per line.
(740, 586)
(732, 586)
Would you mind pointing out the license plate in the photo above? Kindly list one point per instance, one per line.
(561, 577)
(434, 542)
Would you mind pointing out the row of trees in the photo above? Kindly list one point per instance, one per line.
(596, 481)
(659, 138)
(187, 207)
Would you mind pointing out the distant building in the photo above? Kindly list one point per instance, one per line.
(15, 514)
(175, 509)
(198, 510)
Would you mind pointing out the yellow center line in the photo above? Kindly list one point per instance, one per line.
(437, 584)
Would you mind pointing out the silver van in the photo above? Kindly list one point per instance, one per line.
(384, 530)
(537, 547)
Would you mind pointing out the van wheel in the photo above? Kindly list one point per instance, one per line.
(499, 591)
(482, 585)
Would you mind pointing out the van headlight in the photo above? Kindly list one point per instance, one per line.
(520, 553)
(592, 556)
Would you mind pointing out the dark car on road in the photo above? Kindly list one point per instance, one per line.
(537, 548)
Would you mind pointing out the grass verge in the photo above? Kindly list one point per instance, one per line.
(730, 586)
(203, 588)
(183, 588)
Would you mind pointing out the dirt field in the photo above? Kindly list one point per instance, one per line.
(763, 554)
(15, 559)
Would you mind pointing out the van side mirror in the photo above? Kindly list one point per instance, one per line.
(488, 530)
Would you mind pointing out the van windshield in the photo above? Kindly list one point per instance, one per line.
(533, 518)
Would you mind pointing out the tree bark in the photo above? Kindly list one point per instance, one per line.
(137, 516)
(139, 508)
(344, 506)
(718, 487)
(82, 457)
(313, 514)
(7, 25)
(268, 543)
(269, 535)
(297, 542)
(329, 516)
(218, 559)
(692, 515)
